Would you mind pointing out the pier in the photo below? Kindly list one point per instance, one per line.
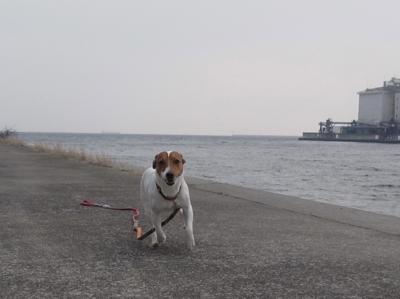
(378, 118)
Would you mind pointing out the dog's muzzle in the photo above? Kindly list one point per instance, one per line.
(170, 178)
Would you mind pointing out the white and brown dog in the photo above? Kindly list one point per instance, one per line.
(163, 189)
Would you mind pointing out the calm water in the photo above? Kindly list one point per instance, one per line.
(359, 175)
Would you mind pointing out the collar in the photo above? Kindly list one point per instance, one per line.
(172, 198)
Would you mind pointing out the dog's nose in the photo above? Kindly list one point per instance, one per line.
(169, 176)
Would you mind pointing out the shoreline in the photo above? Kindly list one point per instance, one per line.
(355, 185)
(341, 214)
(346, 215)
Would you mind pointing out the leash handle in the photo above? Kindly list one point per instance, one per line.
(87, 203)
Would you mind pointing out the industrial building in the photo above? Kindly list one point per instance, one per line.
(381, 104)
(378, 118)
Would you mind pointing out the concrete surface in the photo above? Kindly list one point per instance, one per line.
(249, 243)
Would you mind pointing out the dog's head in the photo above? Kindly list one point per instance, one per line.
(169, 166)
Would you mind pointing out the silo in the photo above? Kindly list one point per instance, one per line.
(387, 106)
(397, 107)
(375, 105)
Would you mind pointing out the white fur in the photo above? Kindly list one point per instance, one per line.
(154, 204)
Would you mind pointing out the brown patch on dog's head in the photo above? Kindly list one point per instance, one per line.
(160, 162)
(170, 161)
(176, 162)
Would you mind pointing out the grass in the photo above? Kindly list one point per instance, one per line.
(8, 136)
(75, 154)
(12, 141)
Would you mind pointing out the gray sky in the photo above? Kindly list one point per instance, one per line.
(191, 67)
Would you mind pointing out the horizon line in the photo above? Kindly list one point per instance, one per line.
(157, 134)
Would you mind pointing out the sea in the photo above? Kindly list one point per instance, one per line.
(358, 175)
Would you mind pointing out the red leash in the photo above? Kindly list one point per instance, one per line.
(135, 217)
(91, 203)
(135, 214)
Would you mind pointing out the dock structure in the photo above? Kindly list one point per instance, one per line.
(378, 118)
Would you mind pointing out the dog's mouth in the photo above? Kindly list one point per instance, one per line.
(170, 182)
(169, 178)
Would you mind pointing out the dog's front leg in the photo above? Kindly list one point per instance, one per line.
(160, 236)
(188, 218)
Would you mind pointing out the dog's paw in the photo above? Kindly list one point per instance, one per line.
(153, 241)
(162, 238)
(154, 245)
(190, 244)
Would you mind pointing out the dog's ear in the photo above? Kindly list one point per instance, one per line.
(155, 162)
(183, 160)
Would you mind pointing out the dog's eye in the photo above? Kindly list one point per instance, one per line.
(177, 161)
(161, 162)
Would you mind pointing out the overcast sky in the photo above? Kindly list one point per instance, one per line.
(191, 67)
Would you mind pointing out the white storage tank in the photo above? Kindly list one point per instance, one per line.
(375, 105)
(397, 107)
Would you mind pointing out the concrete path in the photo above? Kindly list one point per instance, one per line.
(250, 244)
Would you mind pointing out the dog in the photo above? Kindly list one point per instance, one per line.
(163, 189)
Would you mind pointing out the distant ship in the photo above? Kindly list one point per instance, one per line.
(378, 118)
(110, 133)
